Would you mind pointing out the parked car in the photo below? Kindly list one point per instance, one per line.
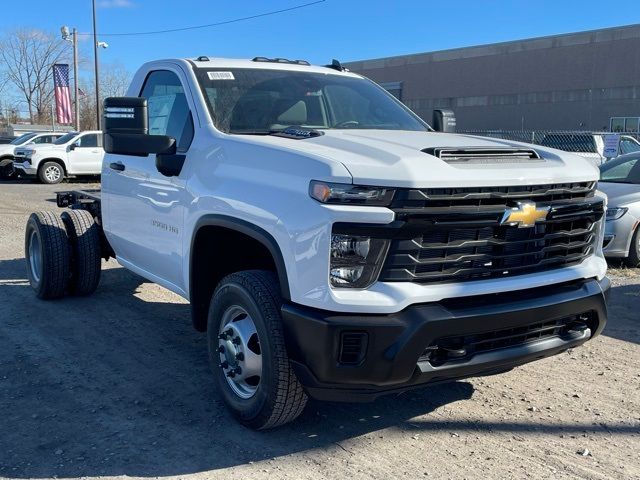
(7, 151)
(330, 242)
(620, 180)
(70, 155)
(588, 145)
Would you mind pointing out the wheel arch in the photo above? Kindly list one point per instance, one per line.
(57, 160)
(200, 293)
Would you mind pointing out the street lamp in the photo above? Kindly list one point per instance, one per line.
(73, 39)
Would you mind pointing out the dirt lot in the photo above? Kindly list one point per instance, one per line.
(118, 385)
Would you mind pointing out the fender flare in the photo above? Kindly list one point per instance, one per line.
(250, 230)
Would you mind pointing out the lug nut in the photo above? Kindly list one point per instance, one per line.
(222, 336)
(221, 349)
(240, 356)
(237, 371)
(236, 341)
(229, 332)
(224, 365)
(231, 374)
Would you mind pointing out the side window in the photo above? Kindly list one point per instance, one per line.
(628, 146)
(169, 112)
(88, 141)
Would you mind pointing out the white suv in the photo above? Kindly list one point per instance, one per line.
(73, 154)
(9, 151)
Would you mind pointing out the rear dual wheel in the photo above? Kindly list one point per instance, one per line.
(62, 253)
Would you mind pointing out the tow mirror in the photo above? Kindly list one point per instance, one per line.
(126, 130)
(444, 121)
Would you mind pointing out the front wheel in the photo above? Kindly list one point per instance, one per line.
(633, 260)
(51, 173)
(247, 351)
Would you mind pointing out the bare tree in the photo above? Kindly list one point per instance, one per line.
(114, 82)
(28, 56)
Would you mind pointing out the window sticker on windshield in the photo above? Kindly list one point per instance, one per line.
(221, 76)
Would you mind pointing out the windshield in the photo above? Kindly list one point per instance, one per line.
(22, 139)
(263, 101)
(65, 138)
(621, 170)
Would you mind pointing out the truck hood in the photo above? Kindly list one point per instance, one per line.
(48, 148)
(620, 194)
(396, 158)
(7, 149)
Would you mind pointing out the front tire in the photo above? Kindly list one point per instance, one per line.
(247, 351)
(7, 172)
(633, 260)
(51, 173)
(47, 255)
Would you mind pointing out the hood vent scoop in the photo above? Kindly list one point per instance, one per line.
(484, 156)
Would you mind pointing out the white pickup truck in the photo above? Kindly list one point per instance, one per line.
(331, 244)
(70, 155)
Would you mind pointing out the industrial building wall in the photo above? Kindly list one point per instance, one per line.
(574, 81)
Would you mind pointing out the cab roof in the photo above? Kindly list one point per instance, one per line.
(206, 62)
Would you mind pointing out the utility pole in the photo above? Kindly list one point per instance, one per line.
(76, 96)
(95, 57)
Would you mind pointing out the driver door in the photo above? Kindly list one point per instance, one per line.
(146, 211)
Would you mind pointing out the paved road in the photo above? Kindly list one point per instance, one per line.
(118, 384)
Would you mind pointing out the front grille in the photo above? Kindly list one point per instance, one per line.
(463, 347)
(453, 235)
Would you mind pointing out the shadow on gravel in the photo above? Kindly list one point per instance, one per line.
(115, 385)
(623, 306)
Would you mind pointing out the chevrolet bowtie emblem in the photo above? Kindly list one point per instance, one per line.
(525, 215)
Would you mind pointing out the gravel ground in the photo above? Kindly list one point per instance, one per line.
(118, 385)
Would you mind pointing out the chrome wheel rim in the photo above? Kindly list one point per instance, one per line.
(35, 258)
(52, 173)
(240, 352)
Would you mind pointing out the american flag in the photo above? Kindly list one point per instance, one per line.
(63, 94)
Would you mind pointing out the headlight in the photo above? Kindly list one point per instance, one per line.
(356, 260)
(614, 213)
(342, 193)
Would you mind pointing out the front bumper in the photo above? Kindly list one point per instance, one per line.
(617, 235)
(24, 168)
(395, 348)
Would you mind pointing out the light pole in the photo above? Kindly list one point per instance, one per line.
(73, 38)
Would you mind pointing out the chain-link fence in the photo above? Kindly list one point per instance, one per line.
(587, 144)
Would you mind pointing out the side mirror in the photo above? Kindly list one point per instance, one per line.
(126, 130)
(72, 147)
(444, 121)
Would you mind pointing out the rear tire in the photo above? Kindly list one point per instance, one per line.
(86, 258)
(51, 173)
(47, 255)
(633, 260)
(265, 393)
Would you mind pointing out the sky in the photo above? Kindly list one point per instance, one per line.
(344, 29)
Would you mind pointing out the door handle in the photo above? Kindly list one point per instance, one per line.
(118, 166)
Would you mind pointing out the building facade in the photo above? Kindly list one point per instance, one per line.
(578, 81)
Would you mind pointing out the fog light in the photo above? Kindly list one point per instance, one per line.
(356, 260)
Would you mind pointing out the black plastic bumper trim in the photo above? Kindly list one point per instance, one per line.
(396, 341)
